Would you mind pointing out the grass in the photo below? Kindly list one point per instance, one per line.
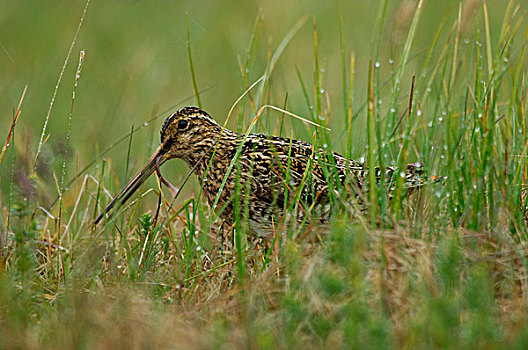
(409, 81)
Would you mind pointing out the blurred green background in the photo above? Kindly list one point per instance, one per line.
(136, 67)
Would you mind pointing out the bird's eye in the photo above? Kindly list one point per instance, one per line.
(182, 124)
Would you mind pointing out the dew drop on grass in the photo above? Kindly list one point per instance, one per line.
(477, 129)
(392, 110)
(430, 124)
(391, 61)
(402, 174)
(380, 101)
(460, 179)
(440, 119)
(198, 248)
(438, 194)
(466, 41)
(505, 59)
(377, 64)
(445, 147)
(362, 160)
(325, 145)
(322, 91)
(145, 124)
(479, 115)
(419, 112)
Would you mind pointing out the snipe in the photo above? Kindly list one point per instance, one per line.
(277, 173)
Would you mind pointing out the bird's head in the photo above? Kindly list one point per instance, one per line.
(187, 134)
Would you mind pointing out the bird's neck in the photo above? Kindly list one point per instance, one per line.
(212, 151)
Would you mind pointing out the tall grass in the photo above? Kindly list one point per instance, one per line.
(445, 267)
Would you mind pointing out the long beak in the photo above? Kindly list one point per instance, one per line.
(158, 158)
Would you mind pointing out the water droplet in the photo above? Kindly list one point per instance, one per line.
(145, 124)
(392, 110)
(377, 64)
(419, 112)
(440, 119)
(479, 115)
(455, 209)
(475, 186)
(429, 89)
(322, 90)
(505, 59)
(362, 160)
(430, 124)
(325, 145)
(402, 174)
(379, 101)
(477, 129)
(391, 61)
(445, 147)
(460, 179)
(442, 156)
(438, 194)
(444, 113)
(198, 248)
(118, 266)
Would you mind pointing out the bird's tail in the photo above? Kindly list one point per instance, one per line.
(415, 177)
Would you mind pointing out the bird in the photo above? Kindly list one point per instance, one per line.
(277, 179)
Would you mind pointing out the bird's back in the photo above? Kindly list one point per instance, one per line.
(274, 176)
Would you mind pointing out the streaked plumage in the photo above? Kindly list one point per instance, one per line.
(270, 170)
